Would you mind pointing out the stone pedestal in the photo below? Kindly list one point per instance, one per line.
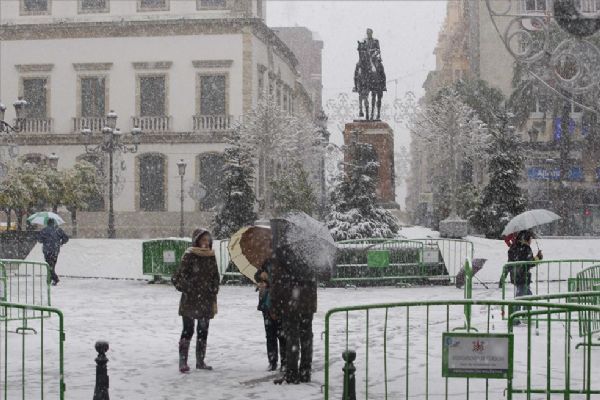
(381, 136)
(454, 227)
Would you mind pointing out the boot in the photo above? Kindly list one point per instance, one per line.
(200, 353)
(184, 348)
(290, 377)
(304, 376)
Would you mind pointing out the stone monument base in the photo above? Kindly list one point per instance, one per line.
(381, 136)
(454, 227)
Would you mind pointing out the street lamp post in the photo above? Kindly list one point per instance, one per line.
(7, 129)
(53, 161)
(110, 144)
(181, 168)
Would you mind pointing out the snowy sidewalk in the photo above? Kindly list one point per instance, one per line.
(141, 324)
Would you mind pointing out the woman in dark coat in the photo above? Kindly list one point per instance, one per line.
(198, 281)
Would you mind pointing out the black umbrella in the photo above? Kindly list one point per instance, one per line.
(477, 264)
(303, 241)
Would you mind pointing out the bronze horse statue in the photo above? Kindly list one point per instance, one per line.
(369, 77)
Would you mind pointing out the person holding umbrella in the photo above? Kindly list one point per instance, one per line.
(520, 275)
(302, 246)
(251, 250)
(52, 237)
(273, 323)
(198, 281)
(294, 298)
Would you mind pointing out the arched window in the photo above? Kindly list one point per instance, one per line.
(152, 185)
(96, 203)
(210, 175)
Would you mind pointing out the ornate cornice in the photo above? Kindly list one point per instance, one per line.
(212, 63)
(22, 68)
(73, 139)
(152, 65)
(92, 66)
(171, 27)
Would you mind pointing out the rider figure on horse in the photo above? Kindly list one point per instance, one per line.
(372, 46)
(369, 77)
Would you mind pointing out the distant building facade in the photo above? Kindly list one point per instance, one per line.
(470, 47)
(183, 71)
(308, 48)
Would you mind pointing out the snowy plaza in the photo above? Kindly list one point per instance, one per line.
(299, 199)
(104, 296)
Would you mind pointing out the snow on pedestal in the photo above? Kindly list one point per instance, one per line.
(454, 227)
(381, 136)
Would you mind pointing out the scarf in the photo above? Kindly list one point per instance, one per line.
(201, 252)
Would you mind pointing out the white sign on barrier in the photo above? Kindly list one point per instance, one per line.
(169, 256)
(477, 355)
(431, 255)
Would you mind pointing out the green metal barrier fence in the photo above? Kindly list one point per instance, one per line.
(384, 260)
(432, 350)
(377, 260)
(161, 257)
(452, 253)
(587, 280)
(393, 260)
(2, 282)
(548, 276)
(24, 282)
(229, 272)
(32, 354)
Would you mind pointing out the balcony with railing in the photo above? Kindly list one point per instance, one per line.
(534, 7)
(37, 125)
(546, 7)
(152, 124)
(95, 124)
(211, 123)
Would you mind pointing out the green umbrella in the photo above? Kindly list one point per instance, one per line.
(41, 218)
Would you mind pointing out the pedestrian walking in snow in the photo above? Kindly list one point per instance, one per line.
(51, 238)
(294, 298)
(520, 275)
(273, 322)
(198, 281)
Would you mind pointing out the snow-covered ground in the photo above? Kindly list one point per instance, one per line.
(141, 324)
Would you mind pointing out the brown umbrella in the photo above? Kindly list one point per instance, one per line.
(249, 248)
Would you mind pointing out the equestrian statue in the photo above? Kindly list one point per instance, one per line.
(369, 77)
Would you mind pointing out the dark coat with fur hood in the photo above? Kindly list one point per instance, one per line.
(197, 278)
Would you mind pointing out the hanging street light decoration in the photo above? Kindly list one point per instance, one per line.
(552, 45)
(8, 131)
(112, 142)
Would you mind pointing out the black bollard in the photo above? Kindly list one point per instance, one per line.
(349, 377)
(101, 389)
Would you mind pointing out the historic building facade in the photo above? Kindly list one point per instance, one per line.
(182, 71)
(470, 47)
